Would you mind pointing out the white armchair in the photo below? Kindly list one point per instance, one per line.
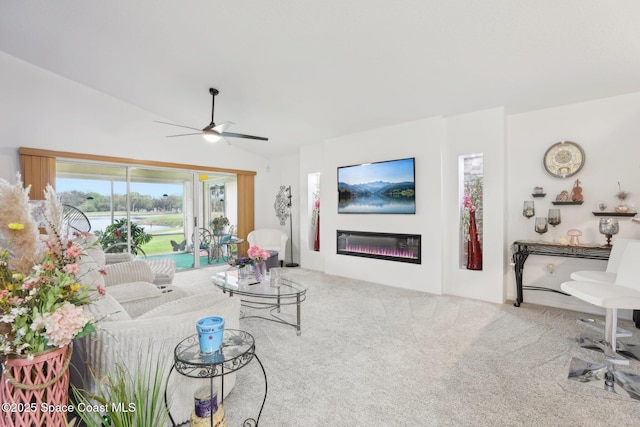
(270, 239)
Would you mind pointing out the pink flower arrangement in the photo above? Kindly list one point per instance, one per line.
(258, 254)
(62, 325)
(468, 204)
(40, 297)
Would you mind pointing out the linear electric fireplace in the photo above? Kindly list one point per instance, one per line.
(388, 246)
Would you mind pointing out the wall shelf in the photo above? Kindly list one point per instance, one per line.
(538, 194)
(555, 202)
(628, 214)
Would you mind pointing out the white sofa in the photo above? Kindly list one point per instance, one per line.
(136, 320)
(131, 283)
(270, 239)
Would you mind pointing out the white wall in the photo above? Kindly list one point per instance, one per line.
(479, 132)
(283, 171)
(608, 130)
(42, 110)
(421, 139)
(436, 144)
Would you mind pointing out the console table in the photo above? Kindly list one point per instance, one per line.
(523, 248)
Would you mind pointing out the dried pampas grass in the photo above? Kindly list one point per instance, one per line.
(23, 245)
(54, 217)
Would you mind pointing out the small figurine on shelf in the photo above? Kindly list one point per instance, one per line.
(622, 196)
(563, 197)
(576, 193)
(538, 190)
(574, 236)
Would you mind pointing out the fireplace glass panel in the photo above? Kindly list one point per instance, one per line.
(386, 246)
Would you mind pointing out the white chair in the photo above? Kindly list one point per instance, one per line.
(609, 275)
(624, 293)
(270, 239)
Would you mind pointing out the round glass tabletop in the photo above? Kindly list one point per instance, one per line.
(238, 348)
(286, 288)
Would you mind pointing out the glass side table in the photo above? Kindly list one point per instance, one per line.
(238, 349)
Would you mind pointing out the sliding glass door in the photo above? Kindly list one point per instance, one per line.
(149, 211)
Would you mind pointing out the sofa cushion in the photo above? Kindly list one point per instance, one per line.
(140, 307)
(125, 272)
(113, 258)
(89, 274)
(91, 248)
(164, 269)
(107, 308)
(192, 303)
(96, 252)
(134, 291)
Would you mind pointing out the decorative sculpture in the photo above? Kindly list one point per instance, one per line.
(576, 192)
(563, 197)
(282, 205)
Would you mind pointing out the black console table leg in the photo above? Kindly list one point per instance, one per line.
(636, 318)
(519, 259)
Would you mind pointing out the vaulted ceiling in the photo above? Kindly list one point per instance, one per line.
(302, 71)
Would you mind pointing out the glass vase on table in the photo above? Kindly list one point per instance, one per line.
(609, 227)
(541, 226)
(554, 219)
(528, 211)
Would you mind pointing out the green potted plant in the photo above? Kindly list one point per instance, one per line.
(118, 233)
(219, 223)
(127, 397)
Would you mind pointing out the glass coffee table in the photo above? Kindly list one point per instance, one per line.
(264, 296)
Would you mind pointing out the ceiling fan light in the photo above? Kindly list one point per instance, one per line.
(211, 136)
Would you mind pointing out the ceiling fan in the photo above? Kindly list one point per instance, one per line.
(211, 132)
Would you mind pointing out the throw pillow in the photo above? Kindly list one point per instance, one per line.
(107, 308)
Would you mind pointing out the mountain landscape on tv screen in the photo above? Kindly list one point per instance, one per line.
(376, 197)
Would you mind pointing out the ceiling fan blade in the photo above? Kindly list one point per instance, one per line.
(185, 134)
(173, 124)
(240, 135)
(222, 127)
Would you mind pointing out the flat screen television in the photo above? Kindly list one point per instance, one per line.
(377, 188)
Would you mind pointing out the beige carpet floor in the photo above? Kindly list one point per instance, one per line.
(373, 355)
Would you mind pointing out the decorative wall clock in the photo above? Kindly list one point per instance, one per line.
(563, 159)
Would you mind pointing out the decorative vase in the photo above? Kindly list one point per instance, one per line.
(474, 250)
(260, 271)
(30, 384)
(316, 241)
